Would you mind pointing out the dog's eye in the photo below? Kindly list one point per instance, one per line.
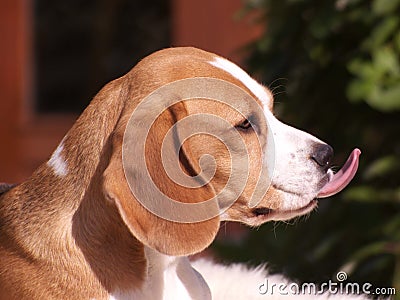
(244, 125)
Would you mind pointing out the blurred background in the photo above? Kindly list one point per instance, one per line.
(333, 66)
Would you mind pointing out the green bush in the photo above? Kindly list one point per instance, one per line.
(334, 69)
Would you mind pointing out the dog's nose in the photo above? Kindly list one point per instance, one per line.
(322, 154)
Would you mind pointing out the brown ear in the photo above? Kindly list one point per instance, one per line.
(167, 236)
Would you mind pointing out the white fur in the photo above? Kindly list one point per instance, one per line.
(237, 282)
(257, 89)
(125, 295)
(57, 163)
(293, 164)
(169, 278)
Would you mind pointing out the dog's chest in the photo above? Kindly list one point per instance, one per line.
(168, 277)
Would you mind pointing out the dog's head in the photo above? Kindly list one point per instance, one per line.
(197, 143)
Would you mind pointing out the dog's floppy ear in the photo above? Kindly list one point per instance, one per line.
(157, 231)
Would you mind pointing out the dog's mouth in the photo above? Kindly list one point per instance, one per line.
(278, 214)
(335, 183)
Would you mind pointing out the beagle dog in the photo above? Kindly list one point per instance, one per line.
(83, 226)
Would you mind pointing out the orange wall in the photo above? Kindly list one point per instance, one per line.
(213, 25)
(12, 84)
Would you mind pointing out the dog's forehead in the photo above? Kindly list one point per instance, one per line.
(262, 93)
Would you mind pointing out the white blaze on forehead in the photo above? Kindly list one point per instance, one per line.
(57, 163)
(257, 89)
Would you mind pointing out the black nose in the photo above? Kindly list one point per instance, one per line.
(322, 154)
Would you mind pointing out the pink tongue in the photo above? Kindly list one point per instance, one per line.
(342, 178)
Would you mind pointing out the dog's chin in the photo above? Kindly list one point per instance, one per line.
(291, 205)
(299, 205)
(265, 215)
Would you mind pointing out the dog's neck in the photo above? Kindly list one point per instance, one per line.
(172, 275)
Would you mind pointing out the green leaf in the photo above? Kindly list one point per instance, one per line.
(361, 194)
(363, 68)
(371, 194)
(392, 227)
(381, 7)
(382, 166)
(381, 33)
(396, 41)
(386, 61)
(320, 55)
(386, 100)
(371, 249)
(359, 90)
